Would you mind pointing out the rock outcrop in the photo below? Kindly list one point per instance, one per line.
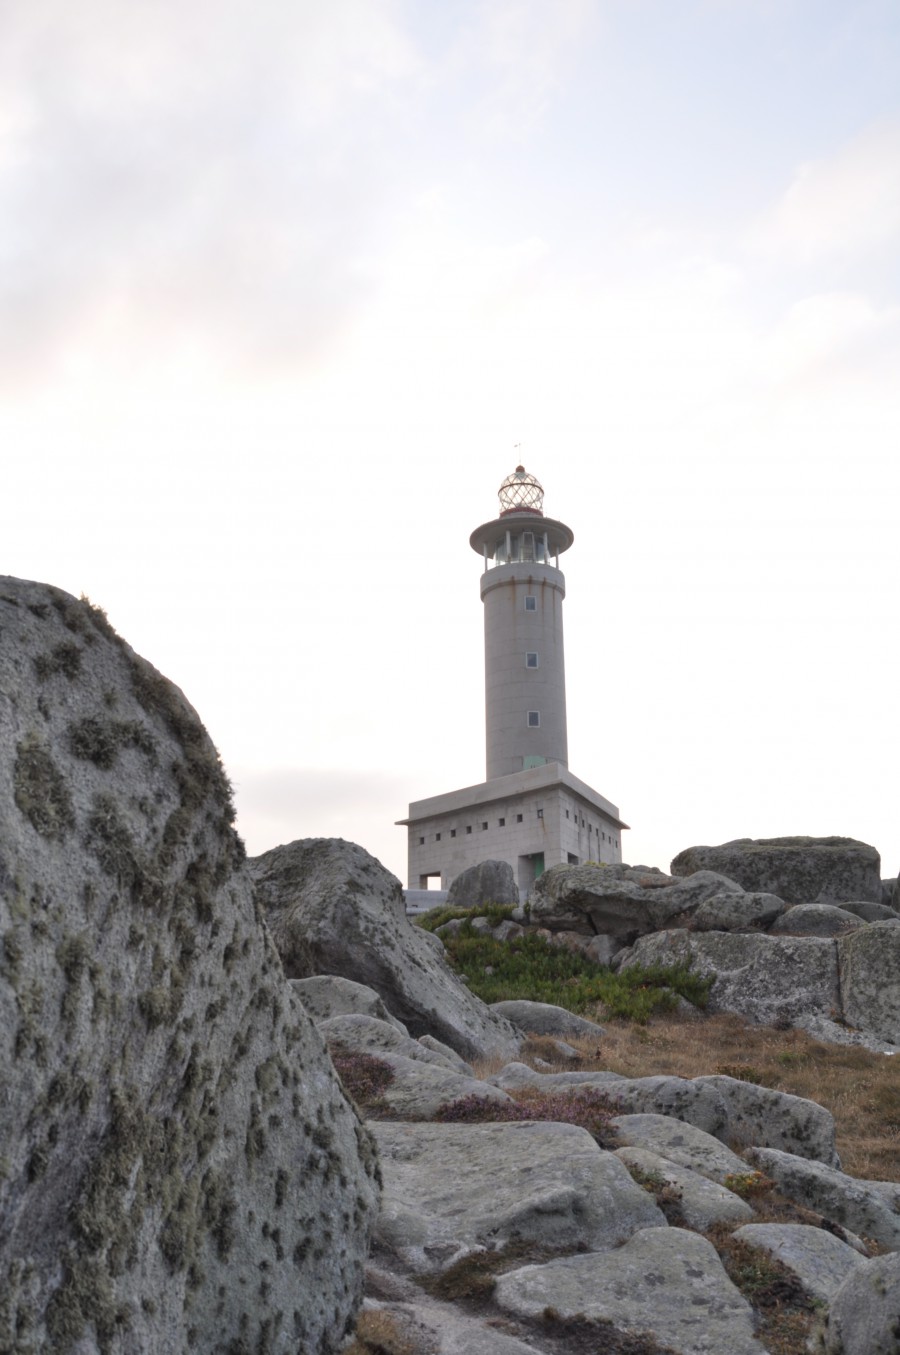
(333, 909)
(796, 869)
(488, 882)
(181, 1169)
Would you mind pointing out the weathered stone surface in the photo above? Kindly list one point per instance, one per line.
(820, 1260)
(869, 963)
(602, 949)
(339, 905)
(167, 1104)
(451, 1188)
(840, 1198)
(871, 912)
(453, 1059)
(771, 1119)
(325, 995)
(864, 1315)
(831, 1032)
(542, 1018)
(680, 1143)
(768, 979)
(702, 1202)
(516, 1075)
(664, 1282)
(488, 882)
(419, 1089)
(690, 1101)
(618, 900)
(368, 1034)
(797, 869)
(433, 1328)
(737, 913)
(816, 919)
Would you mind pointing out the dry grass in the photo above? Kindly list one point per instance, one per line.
(861, 1089)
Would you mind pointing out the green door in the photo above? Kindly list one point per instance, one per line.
(538, 863)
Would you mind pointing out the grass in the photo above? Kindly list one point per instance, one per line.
(586, 1107)
(528, 967)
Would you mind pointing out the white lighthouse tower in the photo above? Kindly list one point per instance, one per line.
(530, 811)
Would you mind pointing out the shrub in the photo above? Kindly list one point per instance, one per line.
(363, 1076)
(583, 1106)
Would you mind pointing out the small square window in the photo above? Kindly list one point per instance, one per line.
(540, 813)
(518, 818)
(530, 602)
(534, 719)
(483, 827)
(531, 661)
(437, 837)
(453, 832)
(501, 823)
(468, 828)
(421, 842)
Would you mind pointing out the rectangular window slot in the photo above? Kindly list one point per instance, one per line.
(518, 818)
(501, 823)
(530, 602)
(531, 660)
(468, 828)
(453, 832)
(484, 827)
(534, 719)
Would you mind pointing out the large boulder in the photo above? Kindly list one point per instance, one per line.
(842, 1199)
(816, 919)
(869, 963)
(797, 869)
(771, 1119)
(864, 1313)
(488, 882)
(619, 901)
(543, 1018)
(452, 1188)
(771, 980)
(181, 1169)
(333, 905)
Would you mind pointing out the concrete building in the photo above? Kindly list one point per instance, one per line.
(530, 811)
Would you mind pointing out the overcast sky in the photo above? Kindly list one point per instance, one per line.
(287, 288)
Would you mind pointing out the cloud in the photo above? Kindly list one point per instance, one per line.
(843, 205)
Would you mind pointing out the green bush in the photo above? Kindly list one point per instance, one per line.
(528, 967)
(436, 917)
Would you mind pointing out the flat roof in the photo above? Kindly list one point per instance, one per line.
(546, 777)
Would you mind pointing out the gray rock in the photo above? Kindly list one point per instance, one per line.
(666, 1283)
(797, 869)
(367, 1034)
(737, 913)
(602, 949)
(332, 901)
(769, 979)
(690, 1101)
(870, 980)
(325, 995)
(424, 1325)
(864, 1314)
(830, 1032)
(820, 1260)
(680, 1143)
(889, 892)
(871, 912)
(703, 1203)
(618, 900)
(450, 1055)
(168, 1106)
(452, 1188)
(507, 930)
(816, 919)
(771, 1119)
(841, 1199)
(541, 1018)
(420, 1089)
(517, 1075)
(488, 882)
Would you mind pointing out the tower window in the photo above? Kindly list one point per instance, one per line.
(534, 719)
(530, 602)
(421, 842)
(484, 827)
(531, 661)
(501, 823)
(468, 828)
(540, 813)
(518, 818)
(437, 837)
(453, 832)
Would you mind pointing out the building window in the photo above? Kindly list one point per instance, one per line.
(530, 602)
(501, 823)
(468, 828)
(484, 827)
(534, 719)
(573, 859)
(453, 832)
(421, 842)
(531, 661)
(518, 818)
(567, 813)
(540, 813)
(437, 837)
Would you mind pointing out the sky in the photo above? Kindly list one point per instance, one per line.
(286, 290)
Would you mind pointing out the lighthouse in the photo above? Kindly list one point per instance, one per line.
(530, 810)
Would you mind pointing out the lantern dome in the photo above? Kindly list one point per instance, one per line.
(521, 493)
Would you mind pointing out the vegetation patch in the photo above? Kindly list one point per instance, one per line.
(437, 917)
(786, 1312)
(100, 741)
(110, 841)
(586, 1107)
(64, 658)
(667, 1196)
(582, 1336)
(363, 1077)
(40, 790)
(528, 967)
